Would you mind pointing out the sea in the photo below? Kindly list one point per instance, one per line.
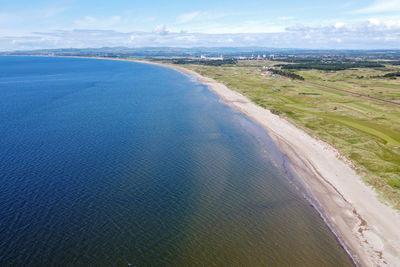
(115, 163)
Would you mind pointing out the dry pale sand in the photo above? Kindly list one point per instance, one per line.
(369, 229)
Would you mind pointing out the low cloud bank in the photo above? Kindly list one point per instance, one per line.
(371, 34)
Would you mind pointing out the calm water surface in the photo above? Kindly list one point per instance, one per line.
(107, 163)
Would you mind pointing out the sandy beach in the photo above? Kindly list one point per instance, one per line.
(368, 229)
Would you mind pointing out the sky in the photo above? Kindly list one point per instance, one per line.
(339, 24)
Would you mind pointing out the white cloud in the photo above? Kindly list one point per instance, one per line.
(374, 22)
(339, 25)
(186, 38)
(380, 6)
(392, 23)
(160, 29)
(249, 26)
(369, 34)
(372, 33)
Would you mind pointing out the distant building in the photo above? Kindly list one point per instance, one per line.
(212, 58)
(267, 68)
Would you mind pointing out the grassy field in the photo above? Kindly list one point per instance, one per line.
(365, 131)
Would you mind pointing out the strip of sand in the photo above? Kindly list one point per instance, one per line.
(369, 229)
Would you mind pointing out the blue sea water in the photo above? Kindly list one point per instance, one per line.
(111, 163)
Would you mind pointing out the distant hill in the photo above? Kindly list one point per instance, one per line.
(149, 52)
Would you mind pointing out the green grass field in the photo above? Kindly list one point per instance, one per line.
(365, 131)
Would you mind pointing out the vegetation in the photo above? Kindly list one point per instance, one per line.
(396, 63)
(392, 74)
(287, 74)
(365, 131)
(206, 62)
(332, 66)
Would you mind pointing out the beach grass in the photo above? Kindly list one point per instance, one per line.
(366, 132)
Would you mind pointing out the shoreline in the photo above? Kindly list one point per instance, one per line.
(365, 227)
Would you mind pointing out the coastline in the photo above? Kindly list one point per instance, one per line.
(367, 228)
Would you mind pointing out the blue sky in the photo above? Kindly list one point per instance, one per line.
(27, 24)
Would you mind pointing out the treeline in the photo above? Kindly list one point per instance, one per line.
(301, 59)
(287, 74)
(390, 62)
(217, 62)
(392, 74)
(331, 66)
